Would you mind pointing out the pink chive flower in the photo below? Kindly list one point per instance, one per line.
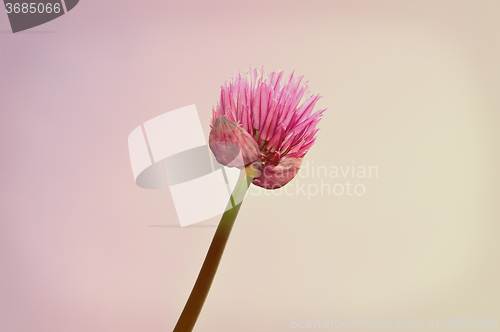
(269, 120)
(264, 126)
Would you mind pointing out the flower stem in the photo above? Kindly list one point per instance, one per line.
(195, 302)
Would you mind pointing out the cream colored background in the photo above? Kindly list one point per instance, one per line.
(411, 87)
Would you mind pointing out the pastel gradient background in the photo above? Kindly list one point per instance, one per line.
(412, 87)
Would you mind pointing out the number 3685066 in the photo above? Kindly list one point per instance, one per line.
(32, 8)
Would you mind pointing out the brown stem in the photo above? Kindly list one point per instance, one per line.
(196, 299)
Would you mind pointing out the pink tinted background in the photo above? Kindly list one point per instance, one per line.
(410, 87)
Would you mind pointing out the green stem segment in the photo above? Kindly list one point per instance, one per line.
(195, 302)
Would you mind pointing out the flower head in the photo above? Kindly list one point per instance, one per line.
(258, 111)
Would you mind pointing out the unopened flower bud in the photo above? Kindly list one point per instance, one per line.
(231, 144)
